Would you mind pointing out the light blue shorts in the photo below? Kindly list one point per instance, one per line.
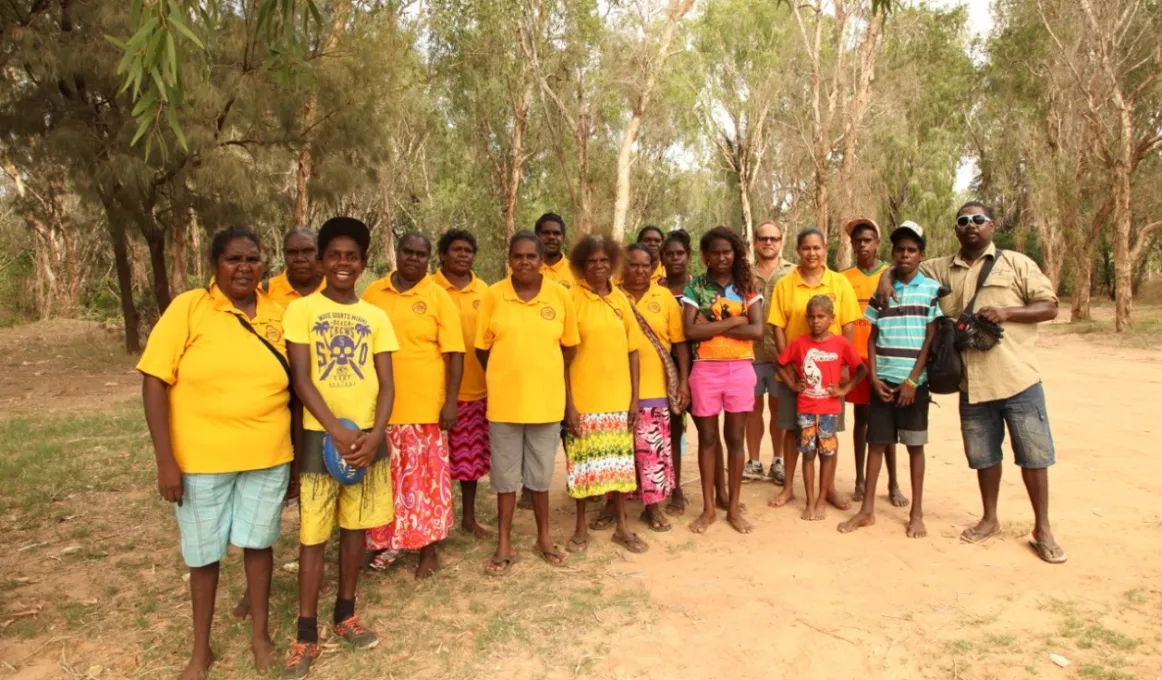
(243, 508)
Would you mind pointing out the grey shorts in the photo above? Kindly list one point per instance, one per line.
(523, 455)
(788, 417)
(766, 383)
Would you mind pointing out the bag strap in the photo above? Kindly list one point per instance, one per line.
(985, 270)
(668, 366)
(277, 355)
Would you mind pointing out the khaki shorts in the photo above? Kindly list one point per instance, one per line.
(523, 454)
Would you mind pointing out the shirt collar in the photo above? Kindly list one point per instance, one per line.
(473, 284)
(562, 263)
(916, 280)
(827, 274)
(868, 272)
(263, 308)
(509, 293)
(958, 261)
(385, 284)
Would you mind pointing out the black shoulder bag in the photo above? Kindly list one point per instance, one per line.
(945, 366)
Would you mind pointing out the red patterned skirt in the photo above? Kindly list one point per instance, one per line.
(422, 489)
(469, 450)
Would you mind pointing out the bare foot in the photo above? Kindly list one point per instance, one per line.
(703, 522)
(725, 505)
(242, 609)
(859, 521)
(857, 495)
(820, 512)
(677, 505)
(526, 500)
(740, 525)
(476, 529)
(916, 528)
(897, 498)
(429, 563)
(839, 502)
(785, 496)
(983, 531)
(809, 515)
(263, 652)
(198, 668)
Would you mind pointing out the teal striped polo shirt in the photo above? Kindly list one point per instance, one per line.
(902, 326)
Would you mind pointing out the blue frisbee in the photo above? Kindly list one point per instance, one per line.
(339, 469)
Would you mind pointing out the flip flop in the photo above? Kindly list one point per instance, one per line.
(1046, 553)
(657, 523)
(602, 522)
(632, 543)
(505, 564)
(553, 559)
(978, 538)
(676, 509)
(581, 546)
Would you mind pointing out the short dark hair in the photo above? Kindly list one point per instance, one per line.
(223, 238)
(822, 302)
(648, 228)
(299, 229)
(636, 248)
(809, 231)
(988, 211)
(679, 236)
(526, 235)
(549, 217)
(591, 244)
(864, 226)
(451, 236)
(345, 226)
(414, 234)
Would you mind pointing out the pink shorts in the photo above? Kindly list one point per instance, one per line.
(717, 386)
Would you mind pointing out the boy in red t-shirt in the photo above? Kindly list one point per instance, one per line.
(812, 365)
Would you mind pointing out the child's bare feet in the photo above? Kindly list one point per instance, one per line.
(740, 525)
(897, 498)
(860, 520)
(916, 528)
(782, 498)
(703, 522)
(198, 668)
(839, 502)
(857, 495)
(263, 652)
(811, 514)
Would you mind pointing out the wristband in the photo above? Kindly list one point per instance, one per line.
(912, 383)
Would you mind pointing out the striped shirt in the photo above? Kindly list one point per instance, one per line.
(902, 326)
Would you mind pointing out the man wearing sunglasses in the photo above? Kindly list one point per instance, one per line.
(1001, 385)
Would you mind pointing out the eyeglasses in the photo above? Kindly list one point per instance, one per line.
(769, 239)
(978, 220)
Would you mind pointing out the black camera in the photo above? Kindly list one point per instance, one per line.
(976, 332)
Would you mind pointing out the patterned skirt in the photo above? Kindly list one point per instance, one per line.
(653, 455)
(601, 460)
(468, 447)
(422, 489)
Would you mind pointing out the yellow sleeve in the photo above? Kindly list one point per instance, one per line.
(295, 322)
(778, 316)
(169, 338)
(570, 336)
(384, 339)
(674, 316)
(450, 334)
(635, 338)
(847, 304)
(484, 335)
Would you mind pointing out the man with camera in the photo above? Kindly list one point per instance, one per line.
(998, 297)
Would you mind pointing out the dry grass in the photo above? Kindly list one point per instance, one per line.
(1146, 332)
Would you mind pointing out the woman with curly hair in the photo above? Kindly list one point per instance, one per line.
(602, 409)
(722, 317)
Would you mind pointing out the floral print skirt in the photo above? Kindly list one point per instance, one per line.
(422, 489)
(601, 459)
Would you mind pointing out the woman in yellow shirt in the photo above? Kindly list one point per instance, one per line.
(602, 409)
(217, 400)
(428, 367)
(789, 317)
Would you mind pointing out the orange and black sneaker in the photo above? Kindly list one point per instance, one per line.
(298, 662)
(353, 632)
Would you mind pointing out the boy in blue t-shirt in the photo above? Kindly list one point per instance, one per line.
(901, 334)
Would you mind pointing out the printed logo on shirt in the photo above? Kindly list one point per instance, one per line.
(548, 313)
(476, 304)
(653, 306)
(273, 334)
(419, 307)
(342, 348)
(812, 376)
(618, 313)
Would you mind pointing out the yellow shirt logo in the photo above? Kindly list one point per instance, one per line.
(548, 314)
(419, 307)
(654, 307)
(476, 304)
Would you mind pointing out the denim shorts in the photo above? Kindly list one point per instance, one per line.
(983, 428)
(243, 508)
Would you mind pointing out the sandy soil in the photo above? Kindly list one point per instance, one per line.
(796, 599)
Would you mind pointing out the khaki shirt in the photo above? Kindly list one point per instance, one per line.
(766, 352)
(1010, 367)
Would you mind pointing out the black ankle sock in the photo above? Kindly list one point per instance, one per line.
(309, 629)
(344, 609)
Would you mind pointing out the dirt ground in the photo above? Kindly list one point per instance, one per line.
(793, 600)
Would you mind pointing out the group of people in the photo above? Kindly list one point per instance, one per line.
(249, 383)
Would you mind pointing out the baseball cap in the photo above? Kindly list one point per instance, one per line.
(345, 226)
(859, 222)
(912, 230)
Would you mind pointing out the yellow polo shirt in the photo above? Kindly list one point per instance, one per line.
(864, 284)
(468, 300)
(562, 272)
(280, 290)
(343, 341)
(789, 303)
(228, 395)
(662, 312)
(526, 371)
(427, 324)
(608, 331)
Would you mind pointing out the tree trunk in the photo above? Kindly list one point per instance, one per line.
(155, 241)
(632, 129)
(516, 159)
(747, 215)
(1082, 283)
(196, 241)
(124, 269)
(1123, 266)
(179, 275)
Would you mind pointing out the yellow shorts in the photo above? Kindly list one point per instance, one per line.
(324, 502)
